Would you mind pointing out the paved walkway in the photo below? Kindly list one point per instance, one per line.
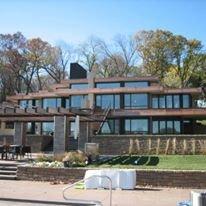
(48, 191)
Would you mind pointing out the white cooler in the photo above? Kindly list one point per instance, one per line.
(121, 178)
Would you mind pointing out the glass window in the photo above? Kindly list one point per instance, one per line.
(155, 102)
(51, 102)
(31, 127)
(177, 128)
(166, 127)
(162, 127)
(127, 100)
(176, 101)
(79, 101)
(127, 126)
(111, 126)
(23, 104)
(161, 101)
(67, 103)
(169, 127)
(169, 101)
(98, 101)
(136, 101)
(9, 125)
(107, 85)
(136, 84)
(38, 103)
(155, 127)
(27, 103)
(136, 126)
(79, 86)
(105, 101)
(47, 128)
(72, 128)
(185, 101)
(116, 101)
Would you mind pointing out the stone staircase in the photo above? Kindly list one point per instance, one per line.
(8, 170)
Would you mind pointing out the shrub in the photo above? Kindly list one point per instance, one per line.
(44, 158)
(75, 159)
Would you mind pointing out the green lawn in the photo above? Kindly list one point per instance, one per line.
(169, 162)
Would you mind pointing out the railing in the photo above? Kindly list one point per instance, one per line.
(88, 201)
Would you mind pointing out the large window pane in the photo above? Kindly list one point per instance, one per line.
(79, 86)
(127, 100)
(67, 103)
(127, 126)
(169, 101)
(176, 101)
(155, 102)
(51, 102)
(111, 126)
(185, 101)
(162, 127)
(23, 104)
(47, 128)
(136, 100)
(169, 127)
(72, 128)
(78, 101)
(107, 85)
(105, 101)
(161, 101)
(116, 101)
(136, 84)
(177, 129)
(136, 126)
(98, 101)
(155, 127)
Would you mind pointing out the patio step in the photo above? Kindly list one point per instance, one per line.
(8, 170)
(8, 177)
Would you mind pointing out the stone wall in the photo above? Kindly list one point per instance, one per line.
(151, 144)
(50, 174)
(183, 179)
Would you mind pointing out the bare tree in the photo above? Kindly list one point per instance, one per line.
(121, 54)
(89, 53)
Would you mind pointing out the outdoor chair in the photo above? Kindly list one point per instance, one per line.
(15, 151)
(2, 151)
(26, 150)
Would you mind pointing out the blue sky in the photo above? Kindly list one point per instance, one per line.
(73, 21)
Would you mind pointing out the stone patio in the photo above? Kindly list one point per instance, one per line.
(53, 192)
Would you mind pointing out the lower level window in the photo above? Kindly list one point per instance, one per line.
(111, 126)
(138, 126)
(166, 127)
(47, 128)
(9, 125)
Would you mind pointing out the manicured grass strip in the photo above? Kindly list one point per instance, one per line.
(170, 162)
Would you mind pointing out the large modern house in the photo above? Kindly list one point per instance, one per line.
(106, 110)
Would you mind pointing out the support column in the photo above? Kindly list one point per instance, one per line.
(60, 134)
(20, 133)
(83, 135)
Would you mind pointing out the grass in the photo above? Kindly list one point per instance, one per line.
(166, 162)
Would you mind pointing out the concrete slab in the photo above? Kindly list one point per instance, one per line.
(53, 192)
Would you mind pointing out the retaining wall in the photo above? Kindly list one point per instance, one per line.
(150, 144)
(183, 179)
